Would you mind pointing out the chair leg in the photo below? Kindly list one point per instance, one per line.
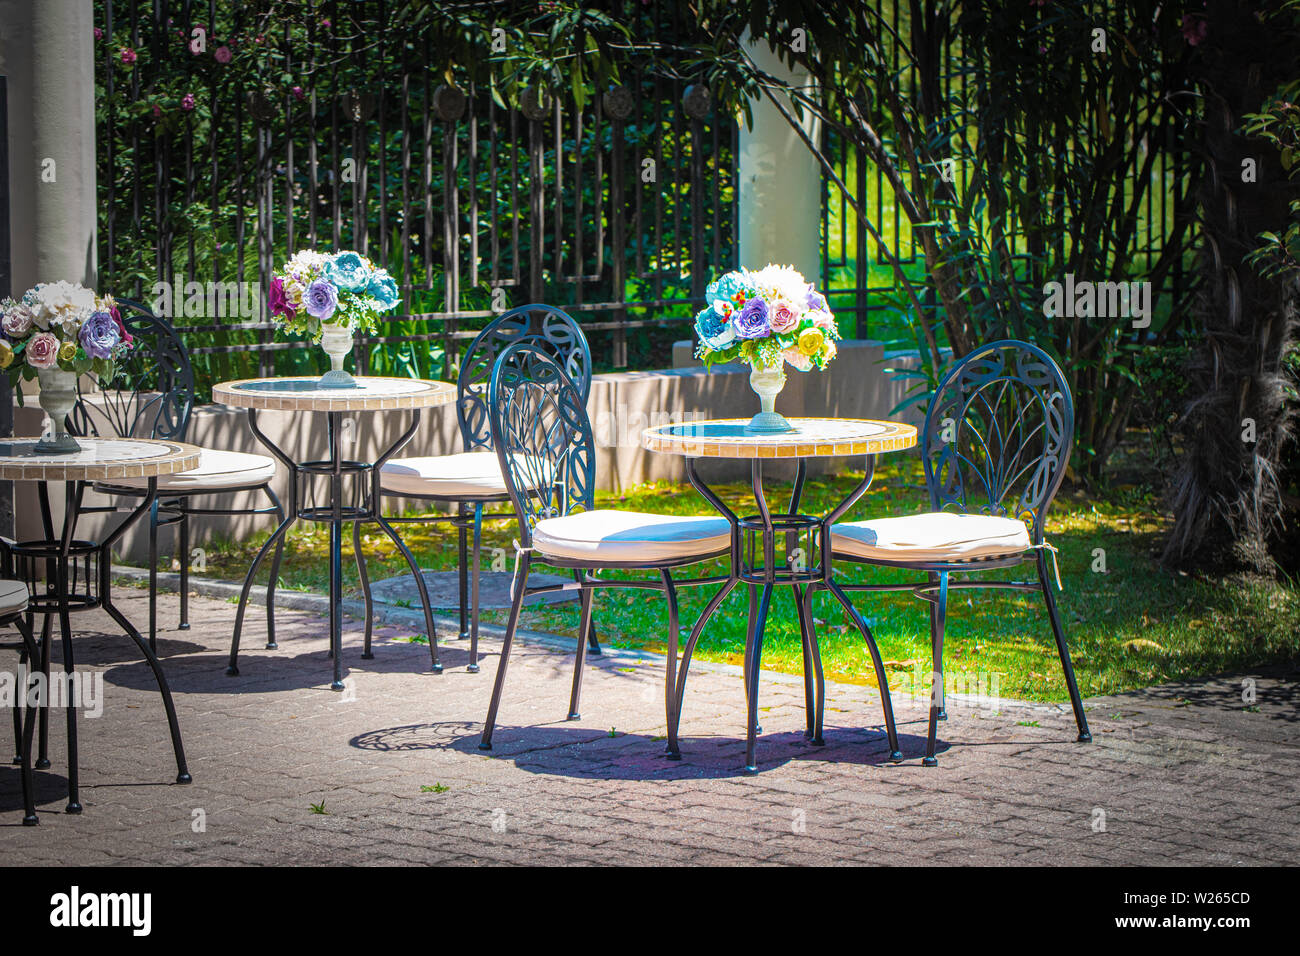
(30, 654)
(462, 568)
(938, 617)
(516, 605)
(153, 575)
(183, 504)
(366, 653)
(271, 644)
(1085, 735)
(670, 677)
(477, 561)
(43, 717)
(691, 641)
(806, 639)
(934, 609)
(18, 717)
(580, 659)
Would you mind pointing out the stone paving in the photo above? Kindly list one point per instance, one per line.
(1184, 774)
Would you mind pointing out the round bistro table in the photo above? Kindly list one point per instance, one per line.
(77, 572)
(771, 549)
(370, 394)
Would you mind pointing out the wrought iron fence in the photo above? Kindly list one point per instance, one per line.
(617, 210)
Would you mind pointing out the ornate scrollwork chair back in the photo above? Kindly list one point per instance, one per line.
(552, 330)
(542, 435)
(151, 394)
(998, 434)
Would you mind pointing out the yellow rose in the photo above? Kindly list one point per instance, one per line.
(67, 352)
(6, 355)
(811, 341)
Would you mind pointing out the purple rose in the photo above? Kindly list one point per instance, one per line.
(223, 55)
(187, 102)
(99, 334)
(751, 321)
(321, 299)
(278, 301)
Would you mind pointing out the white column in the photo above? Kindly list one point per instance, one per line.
(780, 181)
(47, 49)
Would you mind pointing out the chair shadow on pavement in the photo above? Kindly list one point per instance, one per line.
(570, 750)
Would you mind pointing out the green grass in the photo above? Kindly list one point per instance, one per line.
(1132, 626)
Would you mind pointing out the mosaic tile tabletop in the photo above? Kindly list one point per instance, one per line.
(99, 459)
(811, 438)
(372, 394)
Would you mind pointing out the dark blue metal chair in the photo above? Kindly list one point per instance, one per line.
(996, 444)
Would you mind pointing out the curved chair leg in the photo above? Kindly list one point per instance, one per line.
(516, 605)
(173, 725)
(462, 568)
(274, 579)
(477, 561)
(421, 587)
(153, 575)
(938, 618)
(184, 534)
(1085, 735)
(366, 653)
(74, 786)
(806, 639)
(670, 676)
(580, 659)
(886, 704)
(819, 706)
(691, 641)
(232, 669)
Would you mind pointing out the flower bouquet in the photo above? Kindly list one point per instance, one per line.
(56, 332)
(766, 319)
(327, 298)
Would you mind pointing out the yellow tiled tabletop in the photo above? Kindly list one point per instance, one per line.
(811, 438)
(374, 393)
(99, 459)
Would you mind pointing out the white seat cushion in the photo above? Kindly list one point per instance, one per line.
(465, 476)
(936, 536)
(13, 597)
(217, 470)
(619, 537)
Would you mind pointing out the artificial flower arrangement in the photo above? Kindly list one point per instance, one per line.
(766, 318)
(344, 289)
(61, 326)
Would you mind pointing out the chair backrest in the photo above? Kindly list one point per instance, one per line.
(542, 436)
(543, 325)
(999, 430)
(151, 394)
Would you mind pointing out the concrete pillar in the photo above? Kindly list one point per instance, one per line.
(47, 49)
(780, 181)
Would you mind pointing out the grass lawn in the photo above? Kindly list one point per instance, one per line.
(1131, 626)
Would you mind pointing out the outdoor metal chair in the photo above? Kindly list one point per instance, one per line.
(152, 396)
(13, 609)
(546, 449)
(996, 444)
(472, 479)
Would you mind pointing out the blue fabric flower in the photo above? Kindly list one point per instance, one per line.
(714, 330)
(726, 286)
(383, 290)
(347, 271)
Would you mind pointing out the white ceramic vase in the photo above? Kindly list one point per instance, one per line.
(336, 340)
(767, 384)
(57, 398)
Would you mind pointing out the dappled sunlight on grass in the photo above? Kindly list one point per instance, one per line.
(1129, 622)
